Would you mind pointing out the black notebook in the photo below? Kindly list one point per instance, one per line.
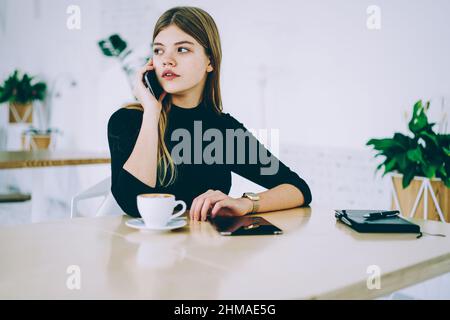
(357, 220)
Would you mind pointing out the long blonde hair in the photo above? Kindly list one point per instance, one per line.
(201, 26)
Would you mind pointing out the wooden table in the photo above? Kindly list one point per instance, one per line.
(315, 258)
(44, 158)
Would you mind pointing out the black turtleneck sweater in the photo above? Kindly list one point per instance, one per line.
(193, 178)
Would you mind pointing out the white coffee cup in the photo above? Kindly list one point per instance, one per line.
(156, 208)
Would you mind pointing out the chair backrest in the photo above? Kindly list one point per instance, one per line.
(109, 205)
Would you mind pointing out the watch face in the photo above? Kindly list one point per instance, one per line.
(251, 196)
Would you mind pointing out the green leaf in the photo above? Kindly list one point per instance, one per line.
(418, 124)
(114, 46)
(389, 165)
(429, 170)
(417, 107)
(440, 173)
(384, 144)
(407, 178)
(444, 139)
(447, 183)
(106, 49)
(405, 141)
(419, 120)
(415, 155)
(430, 138)
(117, 42)
(3, 96)
(447, 167)
(402, 161)
(446, 151)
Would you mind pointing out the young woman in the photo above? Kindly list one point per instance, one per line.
(145, 138)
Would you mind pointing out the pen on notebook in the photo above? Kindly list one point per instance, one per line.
(381, 214)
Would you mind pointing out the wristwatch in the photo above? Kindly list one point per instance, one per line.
(255, 200)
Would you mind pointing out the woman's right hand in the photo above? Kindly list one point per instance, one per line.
(142, 93)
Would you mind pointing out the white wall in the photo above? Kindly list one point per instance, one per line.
(330, 81)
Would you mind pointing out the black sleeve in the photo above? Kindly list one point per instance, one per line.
(264, 169)
(123, 129)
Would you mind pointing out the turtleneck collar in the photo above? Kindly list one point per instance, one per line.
(188, 110)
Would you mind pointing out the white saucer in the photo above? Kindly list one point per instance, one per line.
(139, 224)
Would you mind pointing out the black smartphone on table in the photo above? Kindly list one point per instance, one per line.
(243, 225)
(152, 83)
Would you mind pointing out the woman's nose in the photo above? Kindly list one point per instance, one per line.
(168, 60)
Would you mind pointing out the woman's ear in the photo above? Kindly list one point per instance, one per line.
(209, 68)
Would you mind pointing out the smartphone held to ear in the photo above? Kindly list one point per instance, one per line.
(152, 83)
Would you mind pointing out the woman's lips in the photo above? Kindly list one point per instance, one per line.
(169, 74)
(170, 77)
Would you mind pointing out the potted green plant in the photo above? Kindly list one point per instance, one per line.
(36, 139)
(421, 157)
(20, 91)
